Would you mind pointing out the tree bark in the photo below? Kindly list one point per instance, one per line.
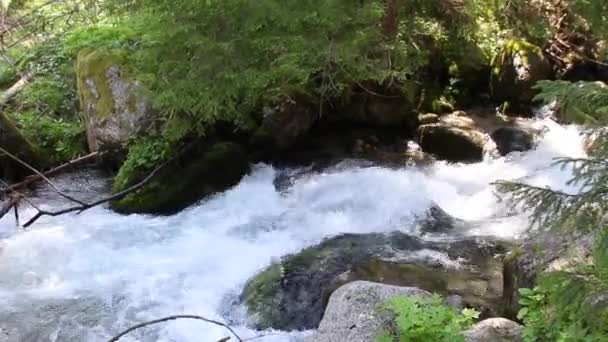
(390, 21)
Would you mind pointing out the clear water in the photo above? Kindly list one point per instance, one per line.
(86, 277)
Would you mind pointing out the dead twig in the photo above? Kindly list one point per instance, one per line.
(34, 178)
(86, 206)
(42, 176)
(175, 317)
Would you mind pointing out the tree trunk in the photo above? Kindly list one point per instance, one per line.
(390, 21)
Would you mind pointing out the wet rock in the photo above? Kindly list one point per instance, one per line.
(511, 139)
(399, 154)
(429, 118)
(391, 109)
(352, 313)
(541, 252)
(114, 110)
(200, 173)
(516, 69)
(286, 123)
(495, 330)
(292, 294)
(452, 143)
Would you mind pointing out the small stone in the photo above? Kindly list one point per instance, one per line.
(494, 330)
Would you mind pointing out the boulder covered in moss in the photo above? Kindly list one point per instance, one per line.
(516, 69)
(114, 109)
(181, 183)
(16, 143)
(292, 294)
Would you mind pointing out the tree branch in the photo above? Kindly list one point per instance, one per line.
(86, 206)
(34, 178)
(172, 318)
(41, 175)
(15, 89)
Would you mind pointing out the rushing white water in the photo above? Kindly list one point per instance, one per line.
(86, 277)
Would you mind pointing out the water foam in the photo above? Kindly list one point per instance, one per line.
(82, 278)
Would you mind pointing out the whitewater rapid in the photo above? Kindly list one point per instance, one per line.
(87, 277)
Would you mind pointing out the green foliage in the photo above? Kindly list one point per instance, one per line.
(144, 153)
(103, 36)
(427, 319)
(59, 138)
(560, 308)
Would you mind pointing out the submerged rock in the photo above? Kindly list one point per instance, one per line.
(114, 111)
(182, 183)
(495, 330)
(352, 313)
(292, 294)
(516, 69)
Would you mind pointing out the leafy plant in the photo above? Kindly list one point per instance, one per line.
(426, 319)
(61, 139)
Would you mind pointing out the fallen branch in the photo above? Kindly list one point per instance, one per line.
(41, 175)
(15, 89)
(172, 318)
(86, 206)
(35, 178)
(6, 207)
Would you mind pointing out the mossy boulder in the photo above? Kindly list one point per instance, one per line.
(292, 294)
(515, 70)
(181, 183)
(111, 102)
(15, 142)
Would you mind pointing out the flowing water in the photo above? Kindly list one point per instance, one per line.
(87, 277)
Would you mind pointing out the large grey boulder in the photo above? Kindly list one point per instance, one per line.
(113, 108)
(494, 330)
(352, 313)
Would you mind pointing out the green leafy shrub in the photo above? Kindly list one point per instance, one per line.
(60, 139)
(426, 319)
(144, 154)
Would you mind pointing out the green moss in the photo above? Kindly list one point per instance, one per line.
(259, 291)
(200, 173)
(91, 67)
